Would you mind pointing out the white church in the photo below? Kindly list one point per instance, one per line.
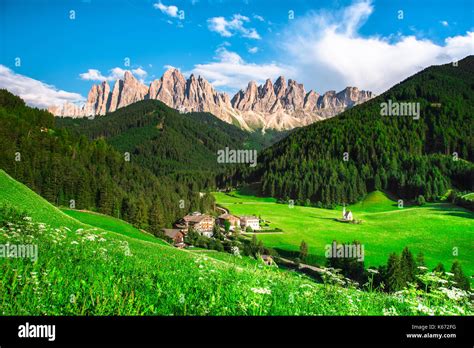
(347, 215)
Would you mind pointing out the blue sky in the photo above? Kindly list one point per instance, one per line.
(327, 45)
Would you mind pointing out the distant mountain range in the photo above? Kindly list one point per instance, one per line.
(278, 105)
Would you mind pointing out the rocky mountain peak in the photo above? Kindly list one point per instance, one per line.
(278, 105)
(173, 74)
(128, 76)
(268, 84)
(280, 86)
(266, 89)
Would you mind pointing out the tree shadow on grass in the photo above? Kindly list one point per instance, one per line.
(311, 259)
(322, 218)
(453, 210)
(462, 214)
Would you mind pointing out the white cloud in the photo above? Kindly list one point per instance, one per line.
(328, 52)
(219, 25)
(139, 72)
(236, 24)
(92, 75)
(171, 10)
(259, 18)
(34, 92)
(253, 50)
(230, 72)
(167, 67)
(114, 74)
(444, 23)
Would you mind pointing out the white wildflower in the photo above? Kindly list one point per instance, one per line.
(424, 309)
(392, 311)
(262, 291)
(454, 293)
(235, 251)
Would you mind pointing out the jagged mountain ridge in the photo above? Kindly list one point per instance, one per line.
(277, 106)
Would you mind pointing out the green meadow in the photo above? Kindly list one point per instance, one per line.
(109, 223)
(434, 229)
(92, 264)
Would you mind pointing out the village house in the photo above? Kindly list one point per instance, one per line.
(176, 235)
(201, 223)
(234, 221)
(250, 221)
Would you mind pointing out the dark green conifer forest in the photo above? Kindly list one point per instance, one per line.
(341, 159)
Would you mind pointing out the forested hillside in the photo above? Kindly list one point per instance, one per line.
(71, 170)
(341, 159)
(181, 146)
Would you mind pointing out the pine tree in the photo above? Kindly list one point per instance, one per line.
(377, 182)
(420, 261)
(439, 268)
(254, 246)
(303, 250)
(155, 218)
(462, 282)
(394, 275)
(407, 266)
(226, 226)
(216, 232)
(237, 230)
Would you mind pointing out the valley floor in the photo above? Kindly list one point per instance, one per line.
(90, 264)
(441, 231)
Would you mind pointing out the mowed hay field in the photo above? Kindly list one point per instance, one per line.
(433, 229)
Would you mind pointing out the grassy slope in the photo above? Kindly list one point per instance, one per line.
(110, 224)
(433, 229)
(12, 193)
(75, 274)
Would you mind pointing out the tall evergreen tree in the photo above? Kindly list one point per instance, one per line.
(407, 266)
(394, 273)
(462, 282)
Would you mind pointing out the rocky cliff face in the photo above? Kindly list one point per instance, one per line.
(101, 100)
(279, 106)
